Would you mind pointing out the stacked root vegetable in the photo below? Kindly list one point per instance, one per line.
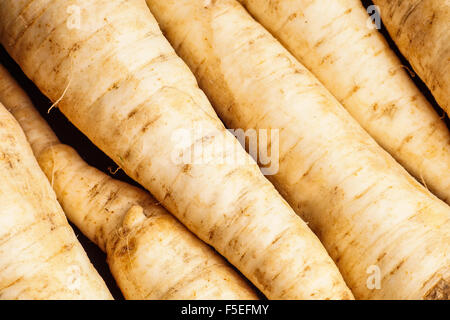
(349, 200)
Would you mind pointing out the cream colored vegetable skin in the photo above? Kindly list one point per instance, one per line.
(151, 255)
(122, 85)
(334, 40)
(421, 31)
(40, 256)
(389, 235)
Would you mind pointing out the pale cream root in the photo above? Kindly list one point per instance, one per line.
(387, 233)
(151, 255)
(130, 94)
(335, 40)
(40, 256)
(421, 31)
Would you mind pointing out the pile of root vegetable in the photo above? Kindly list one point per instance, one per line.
(352, 204)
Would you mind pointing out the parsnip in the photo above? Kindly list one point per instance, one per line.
(116, 77)
(377, 222)
(421, 30)
(334, 40)
(151, 255)
(40, 256)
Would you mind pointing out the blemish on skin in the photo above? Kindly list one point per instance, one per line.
(276, 276)
(440, 291)
(354, 90)
(150, 123)
(408, 138)
(321, 41)
(75, 47)
(111, 197)
(405, 141)
(186, 168)
(392, 72)
(389, 110)
(243, 256)
(128, 248)
(381, 256)
(307, 171)
(292, 16)
(277, 239)
(132, 113)
(376, 54)
(397, 267)
(126, 155)
(325, 59)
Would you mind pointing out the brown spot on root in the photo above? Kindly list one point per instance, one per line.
(232, 173)
(127, 249)
(360, 195)
(243, 256)
(94, 191)
(405, 141)
(376, 54)
(114, 241)
(186, 168)
(397, 267)
(353, 91)
(100, 233)
(13, 283)
(321, 41)
(150, 123)
(277, 239)
(325, 59)
(381, 256)
(234, 244)
(127, 154)
(111, 197)
(8, 158)
(260, 277)
(292, 16)
(10, 163)
(440, 291)
(65, 248)
(276, 276)
(309, 170)
(387, 111)
(132, 113)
